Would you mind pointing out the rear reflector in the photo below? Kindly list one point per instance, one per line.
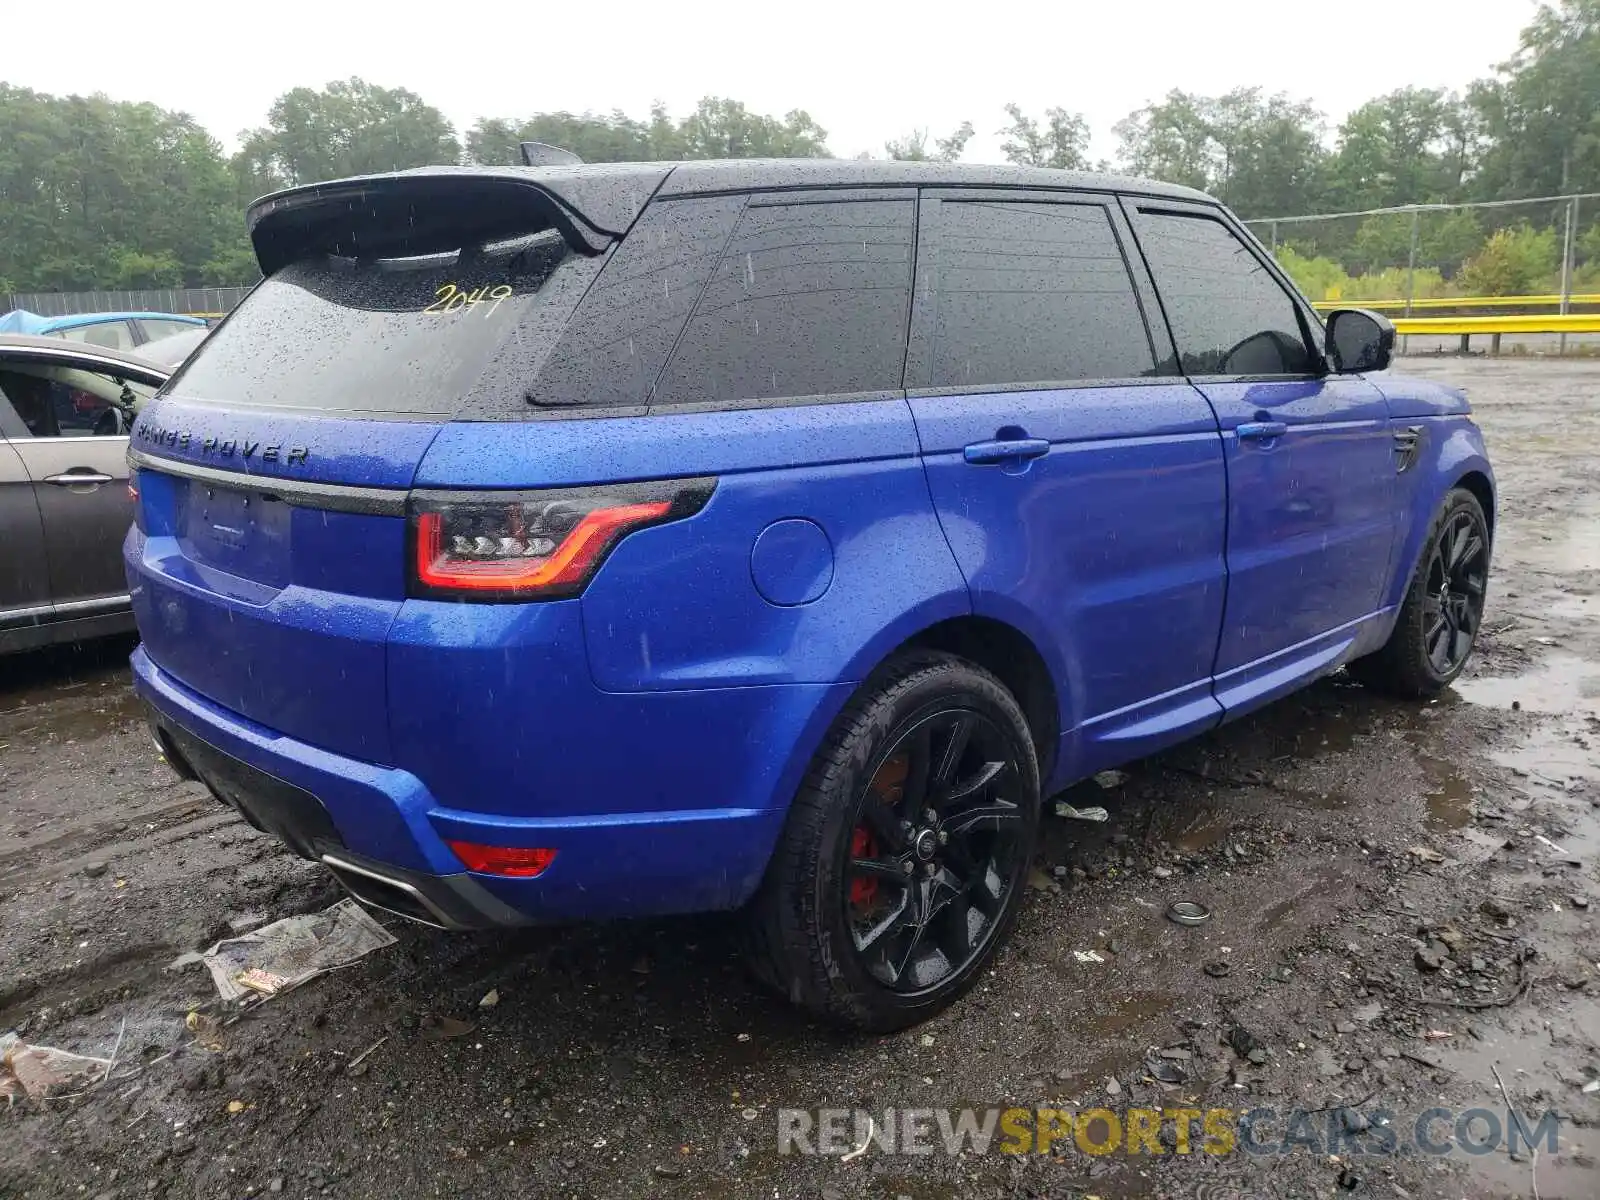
(503, 546)
(511, 861)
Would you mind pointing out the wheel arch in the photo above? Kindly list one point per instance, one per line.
(1478, 483)
(1010, 656)
(1458, 459)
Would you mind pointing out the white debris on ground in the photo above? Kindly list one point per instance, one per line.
(286, 953)
(40, 1071)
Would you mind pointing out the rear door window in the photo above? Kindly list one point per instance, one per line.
(808, 299)
(1228, 313)
(1030, 293)
(393, 337)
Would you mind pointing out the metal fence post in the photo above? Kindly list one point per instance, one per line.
(1274, 228)
(1411, 273)
(1567, 247)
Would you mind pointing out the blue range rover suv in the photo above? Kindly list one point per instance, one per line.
(600, 541)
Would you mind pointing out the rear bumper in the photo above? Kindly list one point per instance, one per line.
(384, 835)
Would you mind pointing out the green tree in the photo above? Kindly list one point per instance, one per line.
(720, 128)
(1513, 262)
(1541, 113)
(95, 192)
(1319, 277)
(1261, 154)
(914, 146)
(1062, 141)
(1381, 240)
(1170, 141)
(593, 138)
(1588, 247)
(350, 127)
(1269, 152)
(1447, 240)
(717, 128)
(1412, 146)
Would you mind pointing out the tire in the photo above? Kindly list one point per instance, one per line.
(831, 926)
(1419, 660)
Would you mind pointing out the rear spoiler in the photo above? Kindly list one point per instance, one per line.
(436, 209)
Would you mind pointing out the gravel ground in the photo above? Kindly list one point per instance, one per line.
(1403, 903)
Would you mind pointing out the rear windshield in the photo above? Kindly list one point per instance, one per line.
(398, 338)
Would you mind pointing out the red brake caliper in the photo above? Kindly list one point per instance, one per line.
(863, 890)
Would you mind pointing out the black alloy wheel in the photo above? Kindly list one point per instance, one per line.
(1457, 580)
(938, 842)
(900, 870)
(1439, 618)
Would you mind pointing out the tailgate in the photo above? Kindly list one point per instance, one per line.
(269, 560)
(271, 595)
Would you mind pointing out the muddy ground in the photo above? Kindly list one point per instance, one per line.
(1334, 837)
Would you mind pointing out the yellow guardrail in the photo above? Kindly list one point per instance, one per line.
(1460, 302)
(1505, 323)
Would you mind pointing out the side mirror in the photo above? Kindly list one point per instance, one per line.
(1359, 340)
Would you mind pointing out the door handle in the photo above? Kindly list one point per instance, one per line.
(981, 454)
(78, 479)
(1262, 431)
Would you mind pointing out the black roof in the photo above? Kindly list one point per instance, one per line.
(610, 195)
(726, 175)
(605, 197)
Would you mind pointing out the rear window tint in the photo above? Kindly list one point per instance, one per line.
(808, 300)
(617, 341)
(390, 337)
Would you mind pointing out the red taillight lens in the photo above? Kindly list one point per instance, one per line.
(133, 498)
(513, 861)
(532, 545)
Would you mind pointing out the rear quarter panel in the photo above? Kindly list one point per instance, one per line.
(673, 680)
(676, 606)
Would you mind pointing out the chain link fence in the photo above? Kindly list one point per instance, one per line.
(1534, 256)
(198, 302)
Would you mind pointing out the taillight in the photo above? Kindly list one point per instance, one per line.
(543, 545)
(514, 862)
(133, 499)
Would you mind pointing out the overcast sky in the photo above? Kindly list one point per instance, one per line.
(865, 71)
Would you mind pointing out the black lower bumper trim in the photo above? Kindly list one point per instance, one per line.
(291, 814)
(299, 820)
(456, 902)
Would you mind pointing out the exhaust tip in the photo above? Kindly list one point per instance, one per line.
(168, 752)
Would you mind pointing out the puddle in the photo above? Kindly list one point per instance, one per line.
(1117, 1016)
(1557, 758)
(1448, 793)
(74, 711)
(1561, 684)
(1568, 549)
(67, 693)
(1543, 1069)
(1579, 550)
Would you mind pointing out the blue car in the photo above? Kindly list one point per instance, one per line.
(116, 330)
(539, 544)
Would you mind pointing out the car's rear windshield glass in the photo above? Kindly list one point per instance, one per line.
(397, 338)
